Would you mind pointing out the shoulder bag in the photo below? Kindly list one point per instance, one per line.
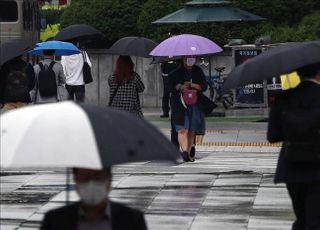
(206, 104)
(113, 95)
(86, 70)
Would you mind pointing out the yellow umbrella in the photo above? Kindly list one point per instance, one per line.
(290, 80)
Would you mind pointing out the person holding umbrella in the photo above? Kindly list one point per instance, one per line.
(301, 175)
(46, 91)
(14, 67)
(94, 210)
(50, 78)
(188, 118)
(125, 85)
(186, 84)
(166, 68)
(73, 70)
(17, 80)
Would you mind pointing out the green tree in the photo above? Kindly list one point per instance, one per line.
(278, 12)
(286, 20)
(308, 29)
(153, 10)
(114, 18)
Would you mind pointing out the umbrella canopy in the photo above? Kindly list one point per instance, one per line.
(133, 46)
(61, 48)
(76, 31)
(67, 134)
(185, 45)
(274, 62)
(12, 49)
(191, 14)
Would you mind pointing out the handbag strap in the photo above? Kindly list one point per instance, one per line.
(84, 56)
(113, 95)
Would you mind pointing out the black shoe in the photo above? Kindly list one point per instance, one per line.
(164, 115)
(185, 156)
(192, 154)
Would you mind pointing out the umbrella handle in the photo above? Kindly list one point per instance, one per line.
(67, 186)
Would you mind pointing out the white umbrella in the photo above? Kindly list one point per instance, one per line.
(66, 134)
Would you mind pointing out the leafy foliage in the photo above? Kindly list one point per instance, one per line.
(114, 18)
(153, 10)
(308, 29)
(293, 20)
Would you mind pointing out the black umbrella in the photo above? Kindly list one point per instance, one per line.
(76, 31)
(12, 49)
(281, 59)
(67, 134)
(133, 46)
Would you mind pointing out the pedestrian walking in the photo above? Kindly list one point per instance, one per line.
(94, 210)
(294, 119)
(125, 85)
(166, 68)
(49, 77)
(73, 70)
(17, 79)
(16, 90)
(186, 83)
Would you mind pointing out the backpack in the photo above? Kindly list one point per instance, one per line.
(47, 83)
(16, 89)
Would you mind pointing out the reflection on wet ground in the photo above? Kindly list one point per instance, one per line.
(221, 190)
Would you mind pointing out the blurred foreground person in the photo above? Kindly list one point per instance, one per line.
(295, 120)
(94, 210)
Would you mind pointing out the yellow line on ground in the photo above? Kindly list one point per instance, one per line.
(256, 144)
(225, 130)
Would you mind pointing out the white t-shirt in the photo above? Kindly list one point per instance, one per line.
(72, 68)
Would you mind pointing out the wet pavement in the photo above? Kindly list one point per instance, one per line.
(227, 187)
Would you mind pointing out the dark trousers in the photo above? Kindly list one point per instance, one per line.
(76, 92)
(165, 98)
(174, 134)
(306, 205)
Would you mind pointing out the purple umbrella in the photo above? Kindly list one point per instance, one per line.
(185, 45)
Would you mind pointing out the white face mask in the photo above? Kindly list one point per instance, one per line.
(191, 61)
(93, 192)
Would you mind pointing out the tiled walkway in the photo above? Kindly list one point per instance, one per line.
(226, 188)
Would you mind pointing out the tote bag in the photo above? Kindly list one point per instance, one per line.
(86, 70)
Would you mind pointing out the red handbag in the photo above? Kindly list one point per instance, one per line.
(190, 96)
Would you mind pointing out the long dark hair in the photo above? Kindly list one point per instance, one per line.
(124, 69)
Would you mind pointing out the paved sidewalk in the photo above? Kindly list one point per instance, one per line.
(223, 189)
(228, 187)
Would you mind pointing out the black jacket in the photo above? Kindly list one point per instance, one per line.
(66, 218)
(13, 65)
(179, 76)
(305, 95)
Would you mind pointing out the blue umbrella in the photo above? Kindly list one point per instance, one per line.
(61, 48)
